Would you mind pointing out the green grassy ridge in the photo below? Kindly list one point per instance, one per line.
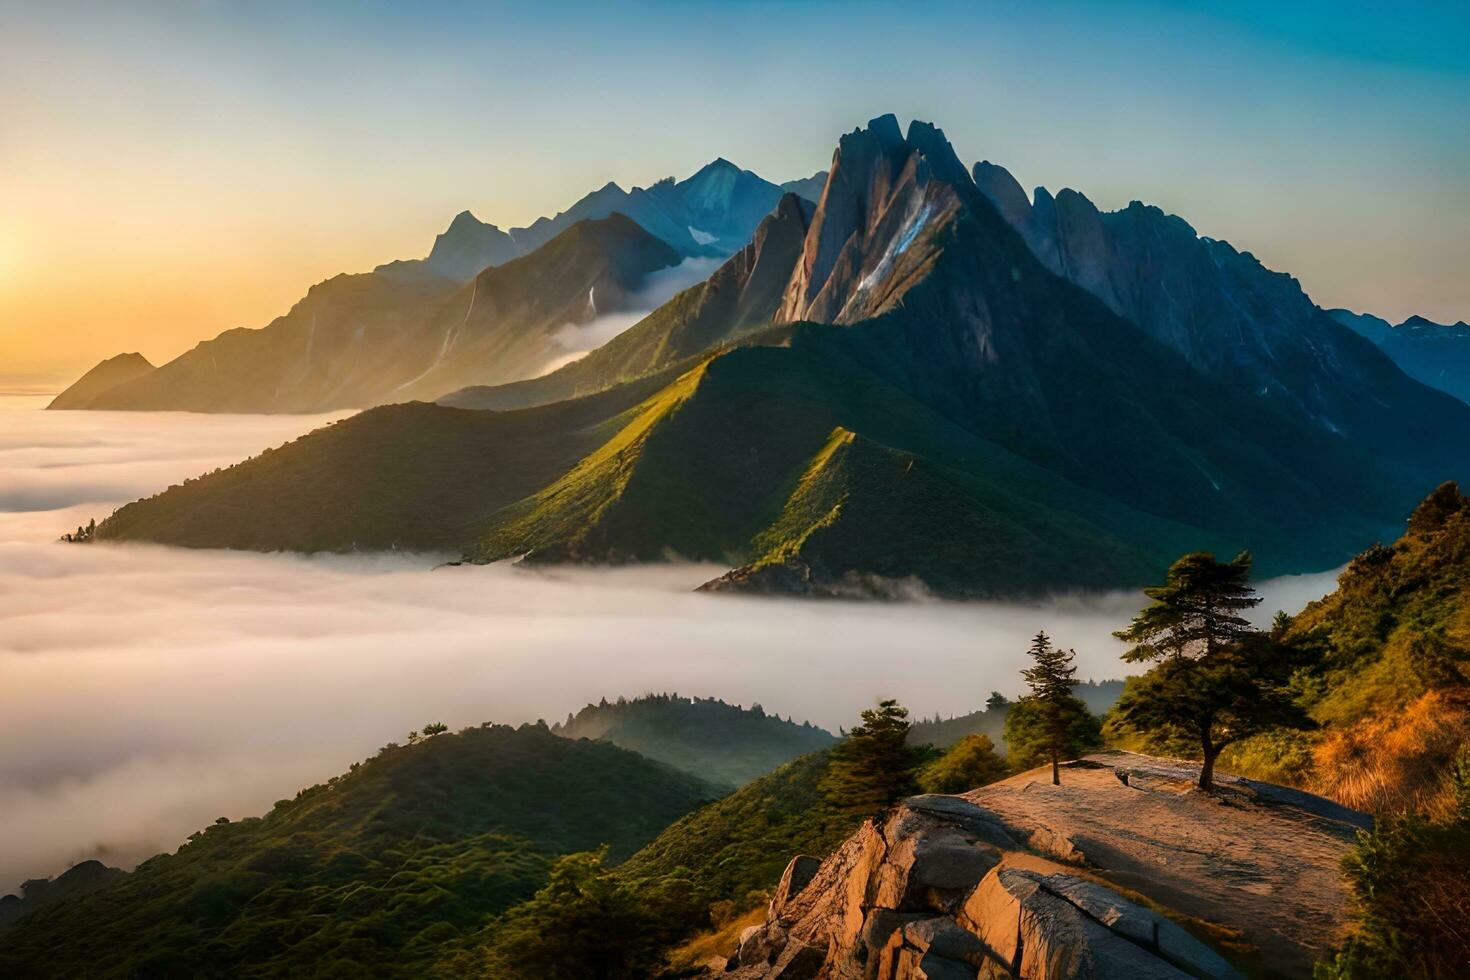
(723, 743)
(868, 510)
(371, 872)
(414, 476)
(715, 479)
(1369, 634)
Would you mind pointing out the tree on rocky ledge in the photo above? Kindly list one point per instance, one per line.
(1216, 680)
(874, 766)
(1051, 723)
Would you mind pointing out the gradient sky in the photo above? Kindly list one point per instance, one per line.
(172, 169)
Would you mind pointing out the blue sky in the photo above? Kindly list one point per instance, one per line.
(206, 161)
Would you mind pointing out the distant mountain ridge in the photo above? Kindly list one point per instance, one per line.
(395, 334)
(1435, 354)
(712, 212)
(364, 339)
(1233, 319)
(738, 301)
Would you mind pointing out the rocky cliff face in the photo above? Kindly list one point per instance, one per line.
(1123, 872)
(873, 233)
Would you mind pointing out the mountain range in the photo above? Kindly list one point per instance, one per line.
(1436, 354)
(925, 380)
(485, 307)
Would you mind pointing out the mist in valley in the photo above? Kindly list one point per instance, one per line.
(146, 691)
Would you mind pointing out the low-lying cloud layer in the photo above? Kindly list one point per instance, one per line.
(145, 691)
(658, 288)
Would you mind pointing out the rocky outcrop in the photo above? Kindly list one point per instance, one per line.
(1024, 879)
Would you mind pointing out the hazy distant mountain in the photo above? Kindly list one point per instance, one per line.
(348, 343)
(109, 374)
(713, 212)
(364, 339)
(740, 299)
(1438, 354)
(809, 188)
(466, 247)
(718, 742)
(930, 403)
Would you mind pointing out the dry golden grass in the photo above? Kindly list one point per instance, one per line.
(1396, 762)
(717, 945)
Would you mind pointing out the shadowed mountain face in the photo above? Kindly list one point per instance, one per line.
(1436, 354)
(1234, 320)
(912, 395)
(364, 339)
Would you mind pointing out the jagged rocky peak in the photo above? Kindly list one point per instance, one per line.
(883, 192)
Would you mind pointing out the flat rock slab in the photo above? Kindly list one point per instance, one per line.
(1263, 863)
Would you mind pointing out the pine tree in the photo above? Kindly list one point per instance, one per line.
(1216, 679)
(874, 766)
(1196, 612)
(1051, 722)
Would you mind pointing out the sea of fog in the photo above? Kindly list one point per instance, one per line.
(145, 691)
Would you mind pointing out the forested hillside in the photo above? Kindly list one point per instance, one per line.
(723, 743)
(372, 872)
